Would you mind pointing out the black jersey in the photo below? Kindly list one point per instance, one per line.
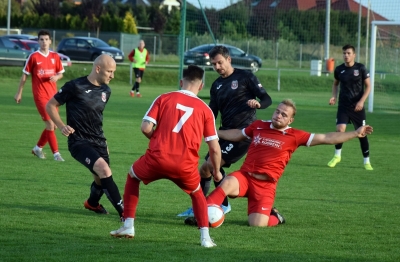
(230, 95)
(351, 83)
(85, 103)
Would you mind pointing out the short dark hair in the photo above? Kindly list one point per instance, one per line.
(219, 50)
(192, 73)
(349, 47)
(44, 32)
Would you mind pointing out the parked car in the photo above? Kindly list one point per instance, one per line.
(88, 48)
(33, 45)
(199, 56)
(23, 36)
(11, 54)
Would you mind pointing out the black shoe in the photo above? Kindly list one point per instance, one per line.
(191, 221)
(276, 213)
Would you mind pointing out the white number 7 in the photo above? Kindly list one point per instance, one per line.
(184, 118)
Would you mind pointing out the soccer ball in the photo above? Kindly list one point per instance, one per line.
(215, 215)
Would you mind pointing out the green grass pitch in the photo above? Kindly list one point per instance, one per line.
(333, 214)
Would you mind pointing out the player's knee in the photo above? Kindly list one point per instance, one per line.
(101, 168)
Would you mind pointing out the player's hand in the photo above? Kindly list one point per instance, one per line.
(332, 101)
(253, 103)
(359, 106)
(17, 98)
(67, 130)
(363, 131)
(217, 176)
(54, 78)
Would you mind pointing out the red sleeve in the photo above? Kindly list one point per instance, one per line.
(28, 65)
(131, 54)
(148, 57)
(59, 66)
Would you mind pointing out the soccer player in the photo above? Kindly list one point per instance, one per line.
(354, 90)
(233, 94)
(85, 99)
(140, 58)
(272, 145)
(175, 124)
(46, 69)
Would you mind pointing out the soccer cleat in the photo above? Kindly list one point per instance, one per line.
(99, 209)
(132, 94)
(207, 242)
(187, 213)
(274, 212)
(138, 95)
(191, 221)
(58, 157)
(38, 152)
(368, 166)
(334, 161)
(126, 232)
(227, 208)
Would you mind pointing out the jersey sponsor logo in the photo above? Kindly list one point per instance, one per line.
(259, 140)
(103, 97)
(234, 84)
(218, 87)
(88, 91)
(52, 61)
(356, 73)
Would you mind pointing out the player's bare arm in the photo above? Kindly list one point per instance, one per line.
(234, 135)
(147, 128)
(340, 137)
(360, 104)
(56, 77)
(335, 88)
(51, 108)
(18, 95)
(215, 157)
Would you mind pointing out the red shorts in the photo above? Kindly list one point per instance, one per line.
(41, 107)
(149, 168)
(260, 193)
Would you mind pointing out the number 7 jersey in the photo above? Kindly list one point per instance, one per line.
(182, 120)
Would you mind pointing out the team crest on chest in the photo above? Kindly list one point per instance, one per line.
(234, 84)
(356, 72)
(52, 61)
(103, 97)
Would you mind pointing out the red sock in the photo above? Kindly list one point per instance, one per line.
(273, 221)
(131, 197)
(51, 137)
(43, 139)
(216, 197)
(199, 205)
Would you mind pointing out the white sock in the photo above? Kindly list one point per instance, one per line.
(56, 154)
(204, 233)
(338, 152)
(137, 92)
(129, 222)
(366, 160)
(38, 148)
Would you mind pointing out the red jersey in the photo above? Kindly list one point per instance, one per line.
(270, 149)
(42, 67)
(181, 120)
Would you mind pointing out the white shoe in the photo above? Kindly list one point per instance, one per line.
(126, 232)
(58, 157)
(38, 152)
(207, 242)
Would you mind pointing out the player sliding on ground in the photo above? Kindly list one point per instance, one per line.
(273, 143)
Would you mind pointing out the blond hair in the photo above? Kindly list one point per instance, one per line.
(289, 102)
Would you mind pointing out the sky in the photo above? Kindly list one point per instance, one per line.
(387, 8)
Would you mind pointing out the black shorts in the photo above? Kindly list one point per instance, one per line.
(87, 153)
(346, 115)
(138, 72)
(232, 151)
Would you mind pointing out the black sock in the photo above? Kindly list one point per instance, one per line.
(225, 203)
(112, 193)
(205, 184)
(137, 87)
(134, 86)
(364, 146)
(95, 194)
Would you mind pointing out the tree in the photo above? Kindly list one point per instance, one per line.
(51, 7)
(90, 11)
(130, 24)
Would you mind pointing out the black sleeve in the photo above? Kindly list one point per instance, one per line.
(65, 93)
(265, 101)
(259, 91)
